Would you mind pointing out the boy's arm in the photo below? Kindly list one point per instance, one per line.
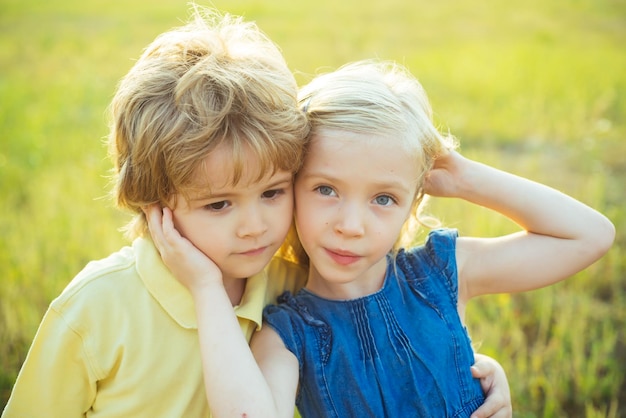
(280, 368)
(560, 236)
(234, 383)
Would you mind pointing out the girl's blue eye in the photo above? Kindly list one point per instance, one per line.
(384, 200)
(325, 190)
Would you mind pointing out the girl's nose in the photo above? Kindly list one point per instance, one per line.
(350, 220)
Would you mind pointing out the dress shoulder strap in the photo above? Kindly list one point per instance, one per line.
(431, 268)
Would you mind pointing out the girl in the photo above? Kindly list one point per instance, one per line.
(378, 330)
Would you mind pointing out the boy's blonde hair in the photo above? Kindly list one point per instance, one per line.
(380, 98)
(216, 80)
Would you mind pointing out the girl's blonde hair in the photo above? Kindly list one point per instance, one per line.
(215, 81)
(380, 98)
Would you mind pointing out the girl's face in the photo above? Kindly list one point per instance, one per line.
(240, 226)
(353, 195)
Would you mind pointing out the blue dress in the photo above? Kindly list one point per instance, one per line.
(400, 352)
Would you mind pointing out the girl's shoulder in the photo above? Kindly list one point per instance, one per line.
(440, 244)
(432, 267)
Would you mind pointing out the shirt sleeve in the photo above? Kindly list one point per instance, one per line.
(441, 247)
(56, 379)
(282, 318)
(432, 266)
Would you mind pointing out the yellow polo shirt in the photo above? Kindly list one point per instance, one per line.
(121, 341)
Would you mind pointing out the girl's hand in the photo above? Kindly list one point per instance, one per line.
(443, 180)
(186, 262)
(495, 386)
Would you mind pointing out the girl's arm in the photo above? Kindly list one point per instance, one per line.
(560, 236)
(235, 385)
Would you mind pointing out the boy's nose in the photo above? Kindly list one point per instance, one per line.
(252, 223)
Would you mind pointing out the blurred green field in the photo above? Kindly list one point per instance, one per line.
(537, 88)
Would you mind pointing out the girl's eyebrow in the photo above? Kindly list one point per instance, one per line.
(382, 184)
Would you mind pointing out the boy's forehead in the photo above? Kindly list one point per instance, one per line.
(221, 169)
(220, 175)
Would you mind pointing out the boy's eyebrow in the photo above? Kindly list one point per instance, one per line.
(281, 181)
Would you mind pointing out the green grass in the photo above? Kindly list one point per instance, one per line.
(537, 88)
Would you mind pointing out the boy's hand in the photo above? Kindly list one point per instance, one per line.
(186, 262)
(495, 386)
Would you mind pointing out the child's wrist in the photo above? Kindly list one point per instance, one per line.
(469, 178)
(207, 283)
(201, 294)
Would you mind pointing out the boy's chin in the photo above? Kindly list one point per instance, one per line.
(246, 271)
(245, 266)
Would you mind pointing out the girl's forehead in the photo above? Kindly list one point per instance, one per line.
(368, 157)
(334, 140)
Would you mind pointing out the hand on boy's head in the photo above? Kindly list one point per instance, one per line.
(186, 262)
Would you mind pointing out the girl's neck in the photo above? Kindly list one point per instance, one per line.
(358, 286)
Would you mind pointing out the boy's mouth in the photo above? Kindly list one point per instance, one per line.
(253, 252)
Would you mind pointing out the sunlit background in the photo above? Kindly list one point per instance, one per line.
(535, 87)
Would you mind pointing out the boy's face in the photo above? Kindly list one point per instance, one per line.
(238, 227)
(353, 195)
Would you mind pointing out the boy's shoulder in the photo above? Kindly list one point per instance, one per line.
(100, 280)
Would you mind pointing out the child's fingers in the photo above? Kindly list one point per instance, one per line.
(186, 262)
(481, 369)
(494, 406)
(495, 386)
(170, 233)
(484, 367)
(154, 218)
(503, 413)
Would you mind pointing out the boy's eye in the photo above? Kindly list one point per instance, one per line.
(326, 190)
(274, 193)
(217, 206)
(384, 200)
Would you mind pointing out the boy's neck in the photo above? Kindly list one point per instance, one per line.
(234, 289)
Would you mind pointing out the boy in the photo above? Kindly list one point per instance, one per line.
(121, 339)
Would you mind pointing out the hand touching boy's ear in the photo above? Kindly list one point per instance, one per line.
(186, 262)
